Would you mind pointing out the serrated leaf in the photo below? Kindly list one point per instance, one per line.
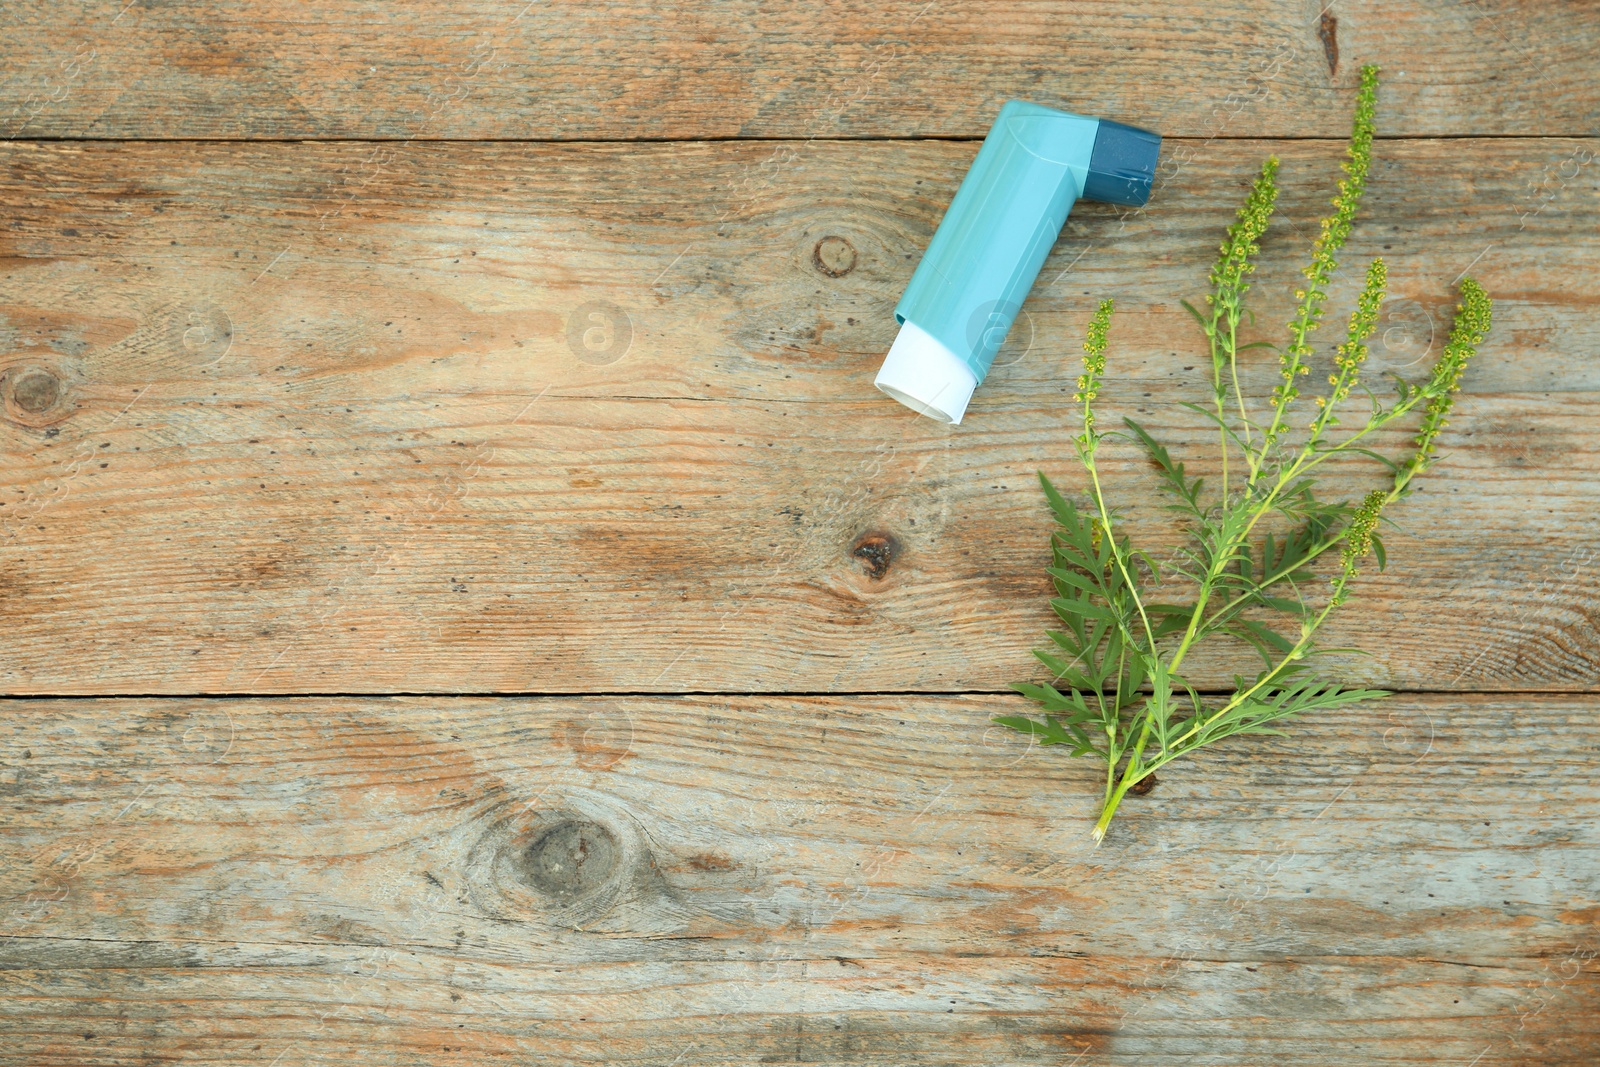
(1394, 468)
(1263, 638)
(1066, 513)
(1173, 477)
(1066, 606)
(1048, 732)
(1045, 695)
(1064, 671)
(1155, 568)
(1072, 644)
(1074, 579)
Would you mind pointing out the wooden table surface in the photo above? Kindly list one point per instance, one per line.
(437, 429)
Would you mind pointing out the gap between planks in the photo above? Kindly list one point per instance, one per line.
(665, 694)
(876, 139)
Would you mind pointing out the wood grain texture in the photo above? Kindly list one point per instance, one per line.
(354, 418)
(845, 880)
(507, 69)
(393, 413)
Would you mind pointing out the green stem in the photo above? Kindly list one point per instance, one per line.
(1298, 651)
(1110, 534)
(1111, 782)
(1302, 325)
(1136, 770)
(1222, 438)
(1108, 809)
(1402, 479)
(1218, 391)
(1114, 720)
(1244, 417)
(1244, 694)
(1132, 775)
(1305, 461)
(1219, 560)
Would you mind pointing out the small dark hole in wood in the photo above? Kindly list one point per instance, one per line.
(572, 859)
(877, 551)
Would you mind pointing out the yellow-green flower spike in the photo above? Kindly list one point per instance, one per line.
(1094, 353)
(1094, 365)
(1358, 540)
(1471, 325)
(1333, 231)
(1363, 321)
(1233, 264)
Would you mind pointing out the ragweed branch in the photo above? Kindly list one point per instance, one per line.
(1118, 692)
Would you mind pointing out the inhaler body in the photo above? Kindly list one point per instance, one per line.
(988, 249)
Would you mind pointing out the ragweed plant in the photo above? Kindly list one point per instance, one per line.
(1119, 693)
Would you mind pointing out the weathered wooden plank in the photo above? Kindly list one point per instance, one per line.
(853, 880)
(562, 418)
(620, 70)
(408, 1007)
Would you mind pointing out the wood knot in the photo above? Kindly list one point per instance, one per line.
(878, 552)
(35, 395)
(834, 256)
(580, 865)
(572, 859)
(36, 391)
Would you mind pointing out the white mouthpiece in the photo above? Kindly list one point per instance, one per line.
(925, 376)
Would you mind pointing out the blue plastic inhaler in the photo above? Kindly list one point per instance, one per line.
(1035, 162)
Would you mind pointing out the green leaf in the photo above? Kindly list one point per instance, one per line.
(1063, 670)
(1048, 732)
(1392, 466)
(1074, 579)
(1172, 473)
(1045, 695)
(1066, 513)
(1066, 607)
(1070, 643)
(1155, 568)
(1264, 639)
